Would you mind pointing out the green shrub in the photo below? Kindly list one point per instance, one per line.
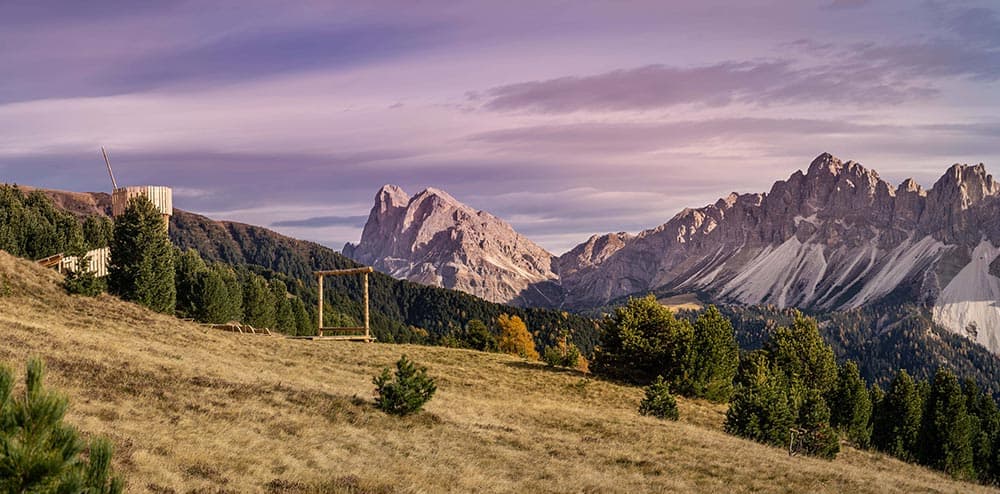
(658, 401)
(38, 452)
(407, 392)
(84, 283)
(564, 354)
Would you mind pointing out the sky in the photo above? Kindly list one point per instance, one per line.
(566, 118)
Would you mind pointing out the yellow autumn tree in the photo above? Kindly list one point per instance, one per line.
(515, 338)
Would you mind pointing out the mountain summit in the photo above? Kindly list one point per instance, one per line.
(434, 239)
(835, 237)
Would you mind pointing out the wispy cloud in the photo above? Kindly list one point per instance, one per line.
(323, 221)
(658, 86)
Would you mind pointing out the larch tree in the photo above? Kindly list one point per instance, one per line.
(515, 338)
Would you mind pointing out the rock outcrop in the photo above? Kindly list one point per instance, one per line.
(432, 238)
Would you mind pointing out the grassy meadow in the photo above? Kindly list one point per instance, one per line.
(192, 409)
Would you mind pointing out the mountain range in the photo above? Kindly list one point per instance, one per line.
(834, 237)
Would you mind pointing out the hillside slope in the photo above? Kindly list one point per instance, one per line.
(197, 410)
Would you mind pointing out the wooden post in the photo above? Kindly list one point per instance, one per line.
(367, 333)
(319, 327)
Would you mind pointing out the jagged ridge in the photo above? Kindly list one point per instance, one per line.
(434, 239)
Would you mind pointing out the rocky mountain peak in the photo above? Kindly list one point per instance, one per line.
(966, 185)
(434, 239)
(390, 196)
(910, 186)
(826, 164)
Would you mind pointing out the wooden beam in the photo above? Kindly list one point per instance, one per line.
(340, 272)
(320, 324)
(367, 332)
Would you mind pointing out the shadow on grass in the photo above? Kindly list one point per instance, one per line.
(542, 367)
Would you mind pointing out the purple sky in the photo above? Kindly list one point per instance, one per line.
(565, 118)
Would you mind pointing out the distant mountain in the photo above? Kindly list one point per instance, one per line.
(432, 238)
(836, 237)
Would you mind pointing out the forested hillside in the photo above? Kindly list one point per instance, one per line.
(882, 340)
(402, 311)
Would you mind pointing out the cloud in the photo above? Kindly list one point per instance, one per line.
(631, 136)
(847, 4)
(659, 86)
(323, 221)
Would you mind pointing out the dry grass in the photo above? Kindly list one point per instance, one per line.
(196, 410)
(686, 301)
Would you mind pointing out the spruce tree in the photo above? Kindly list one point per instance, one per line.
(850, 405)
(479, 337)
(896, 425)
(258, 302)
(945, 434)
(714, 357)
(142, 259)
(405, 392)
(658, 401)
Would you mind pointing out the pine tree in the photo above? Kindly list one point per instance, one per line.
(40, 453)
(284, 319)
(258, 302)
(945, 434)
(851, 406)
(818, 438)
(984, 417)
(142, 260)
(231, 307)
(713, 358)
(515, 338)
(761, 408)
(642, 340)
(304, 323)
(896, 426)
(189, 274)
(479, 337)
(802, 354)
(658, 401)
(407, 391)
(97, 232)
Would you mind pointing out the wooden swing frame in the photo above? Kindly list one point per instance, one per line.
(367, 337)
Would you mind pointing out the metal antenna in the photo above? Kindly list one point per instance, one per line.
(113, 182)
